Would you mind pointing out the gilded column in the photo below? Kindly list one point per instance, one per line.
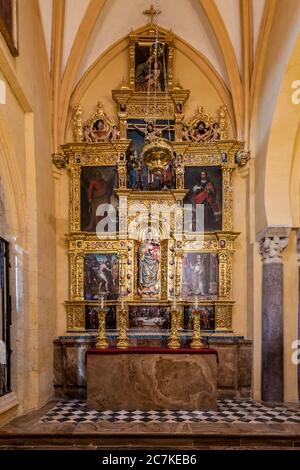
(227, 223)
(75, 172)
(77, 123)
(273, 240)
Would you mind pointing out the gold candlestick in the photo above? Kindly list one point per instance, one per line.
(122, 341)
(196, 340)
(102, 341)
(174, 340)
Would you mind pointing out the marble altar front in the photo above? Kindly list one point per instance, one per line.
(152, 379)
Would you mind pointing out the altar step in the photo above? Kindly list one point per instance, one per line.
(240, 424)
(213, 440)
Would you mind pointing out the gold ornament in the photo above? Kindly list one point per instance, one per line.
(157, 154)
(122, 341)
(174, 339)
(102, 341)
(196, 340)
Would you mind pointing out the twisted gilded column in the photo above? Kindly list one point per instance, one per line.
(273, 240)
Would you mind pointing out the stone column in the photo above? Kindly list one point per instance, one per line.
(273, 240)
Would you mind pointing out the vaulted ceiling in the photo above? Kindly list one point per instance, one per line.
(232, 35)
(188, 18)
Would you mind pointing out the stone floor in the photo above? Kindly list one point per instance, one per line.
(243, 424)
(229, 411)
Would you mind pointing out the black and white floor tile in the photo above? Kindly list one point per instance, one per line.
(229, 411)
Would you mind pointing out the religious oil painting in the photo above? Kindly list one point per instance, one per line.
(200, 275)
(151, 67)
(92, 319)
(100, 131)
(97, 188)
(207, 317)
(101, 276)
(205, 187)
(149, 318)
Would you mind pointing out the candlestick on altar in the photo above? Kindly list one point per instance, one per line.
(102, 341)
(122, 341)
(174, 339)
(196, 340)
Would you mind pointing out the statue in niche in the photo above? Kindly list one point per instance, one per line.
(186, 134)
(215, 132)
(149, 259)
(115, 133)
(168, 178)
(132, 169)
(87, 134)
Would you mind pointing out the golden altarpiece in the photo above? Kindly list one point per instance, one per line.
(153, 266)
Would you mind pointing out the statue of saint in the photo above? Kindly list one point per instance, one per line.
(149, 258)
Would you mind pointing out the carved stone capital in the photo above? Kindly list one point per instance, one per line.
(273, 240)
(242, 157)
(59, 160)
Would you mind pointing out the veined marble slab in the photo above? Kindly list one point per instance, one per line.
(152, 381)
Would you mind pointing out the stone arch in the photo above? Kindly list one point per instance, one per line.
(181, 45)
(12, 196)
(281, 144)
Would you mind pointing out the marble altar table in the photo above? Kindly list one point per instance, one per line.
(152, 379)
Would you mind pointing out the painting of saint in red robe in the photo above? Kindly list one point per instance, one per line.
(205, 188)
(97, 187)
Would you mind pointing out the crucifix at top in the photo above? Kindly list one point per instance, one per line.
(152, 12)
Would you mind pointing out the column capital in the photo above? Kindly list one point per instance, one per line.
(273, 240)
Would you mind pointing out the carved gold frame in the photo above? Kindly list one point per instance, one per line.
(80, 155)
(210, 154)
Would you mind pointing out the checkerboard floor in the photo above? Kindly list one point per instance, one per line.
(229, 411)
